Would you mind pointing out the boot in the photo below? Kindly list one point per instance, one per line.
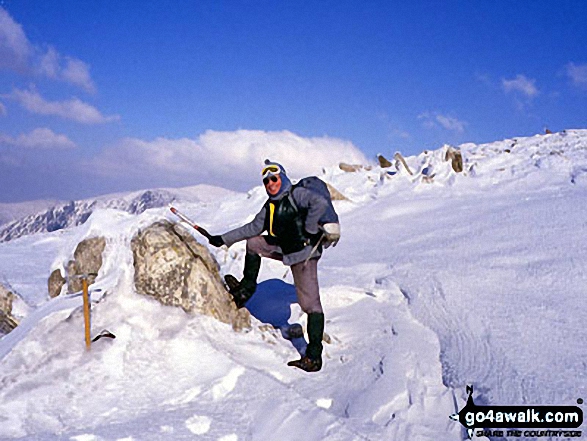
(242, 291)
(312, 361)
(307, 364)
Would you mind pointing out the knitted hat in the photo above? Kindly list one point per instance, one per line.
(272, 168)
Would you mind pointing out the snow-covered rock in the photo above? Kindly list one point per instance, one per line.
(7, 321)
(171, 266)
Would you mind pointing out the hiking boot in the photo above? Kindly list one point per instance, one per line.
(307, 364)
(240, 292)
(315, 335)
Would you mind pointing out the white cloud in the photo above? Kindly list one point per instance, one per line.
(49, 63)
(73, 109)
(3, 111)
(18, 54)
(77, 72)
(577, 74)
(450, 123)
(15, 49)
(41, 138)
(228, 159)
(433, 120)
(520, 84)
(68, 69)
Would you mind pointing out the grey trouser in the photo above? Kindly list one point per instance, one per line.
(305, 275)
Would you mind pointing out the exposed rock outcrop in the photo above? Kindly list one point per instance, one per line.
(55, 283)
(172, 267)
(383, 161)
(7, 321)
(350, 168)
(336, 195)
(399, 158)
(87, 260)
(455, 156)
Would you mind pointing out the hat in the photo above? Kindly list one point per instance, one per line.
(272, 168)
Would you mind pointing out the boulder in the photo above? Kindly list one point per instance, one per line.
(55, 283)
(335, 195)
(172, 267)
(383, 161)
(7, 321)
(87, 260)
(455, 156)
(399, 158)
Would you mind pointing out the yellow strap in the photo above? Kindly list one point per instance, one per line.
(271, 212)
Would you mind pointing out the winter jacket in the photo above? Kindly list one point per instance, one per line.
(287, 224)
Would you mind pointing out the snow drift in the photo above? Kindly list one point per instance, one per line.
(440, 280)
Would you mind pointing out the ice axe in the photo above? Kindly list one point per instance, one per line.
(309, 256)
(313, 250)
(184, 218)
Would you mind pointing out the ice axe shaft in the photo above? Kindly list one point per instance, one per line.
(313, 250)
(184, 218)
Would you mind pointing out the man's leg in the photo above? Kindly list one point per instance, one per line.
(256, 247)
(308, 291)
(259, 245)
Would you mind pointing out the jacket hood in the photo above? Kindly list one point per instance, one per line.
(285, 188)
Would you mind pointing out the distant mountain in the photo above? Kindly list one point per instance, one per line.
(69, 214)
(12, 211)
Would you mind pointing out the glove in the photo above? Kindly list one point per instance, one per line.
(216, 241)
(313, 238)
(331, 234)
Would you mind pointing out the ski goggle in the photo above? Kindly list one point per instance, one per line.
(271, 178)
(270, 170)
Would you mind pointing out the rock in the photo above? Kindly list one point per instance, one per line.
(335, 195)
(383, 162)
(172, 267)
(55, 283)
(350, 168)
(87, 259)
(399, 158)
(7, 321)
(455, 156)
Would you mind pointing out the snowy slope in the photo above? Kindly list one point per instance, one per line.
(476, 278)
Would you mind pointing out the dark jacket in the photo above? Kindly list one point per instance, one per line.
(286, 223)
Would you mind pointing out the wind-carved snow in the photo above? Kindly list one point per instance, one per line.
(198, 424)
(473, 278)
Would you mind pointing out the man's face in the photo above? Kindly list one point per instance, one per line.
(272, 184)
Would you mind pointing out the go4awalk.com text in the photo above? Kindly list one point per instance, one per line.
(520, 421)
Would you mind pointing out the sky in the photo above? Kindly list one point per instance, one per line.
(105, 96)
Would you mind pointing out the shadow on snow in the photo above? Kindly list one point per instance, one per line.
(271, 304)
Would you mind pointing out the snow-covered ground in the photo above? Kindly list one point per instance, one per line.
(473, 278)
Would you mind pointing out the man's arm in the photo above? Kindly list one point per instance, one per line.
(252, 229)
(314, 203)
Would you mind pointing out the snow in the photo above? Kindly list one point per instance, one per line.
(474, 278)
(16, 210)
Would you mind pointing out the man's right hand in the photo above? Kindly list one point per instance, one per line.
(216, 241)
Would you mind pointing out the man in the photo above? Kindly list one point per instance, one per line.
(290, 218)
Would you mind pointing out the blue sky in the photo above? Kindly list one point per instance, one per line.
(102, 96)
